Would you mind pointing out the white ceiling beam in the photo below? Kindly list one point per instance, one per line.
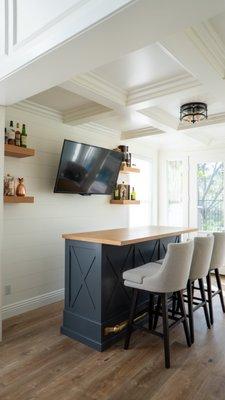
(145, 96)
(161, 119)
(97, 89)
(208, 42)
(138, 133)
(87, 113)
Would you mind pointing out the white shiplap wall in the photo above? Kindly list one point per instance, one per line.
(33, 251)
(2, 125)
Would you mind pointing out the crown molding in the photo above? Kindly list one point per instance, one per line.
(137, 133)
(161, 88)
(86, 113)
(37, 109)
(97, 85)
(94, 127)
(41, 111)
(211, 47)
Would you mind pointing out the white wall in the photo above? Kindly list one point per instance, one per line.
(2, 134)
(33, 251)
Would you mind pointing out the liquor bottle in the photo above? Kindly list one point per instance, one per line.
(6, 136)
(17, 135)
(23, 137)
(11, 134)
(123, 191)
(133, 194)
(116, 193)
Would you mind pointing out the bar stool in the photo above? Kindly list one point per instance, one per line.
(217, 261)
(203, 247)
(171, 276)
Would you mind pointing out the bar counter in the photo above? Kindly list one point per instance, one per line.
(96, 302)
(124, 236)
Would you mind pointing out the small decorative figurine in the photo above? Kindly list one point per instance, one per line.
(9, 185)
(20, 189)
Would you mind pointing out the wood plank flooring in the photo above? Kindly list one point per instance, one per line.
(36, 362)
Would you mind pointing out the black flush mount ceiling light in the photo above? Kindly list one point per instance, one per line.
(193, 112)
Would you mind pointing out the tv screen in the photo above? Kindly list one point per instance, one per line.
(86, 169)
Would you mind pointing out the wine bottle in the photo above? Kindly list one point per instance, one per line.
(17, 135)
(11, 134)
(133, 194)
(23, 137)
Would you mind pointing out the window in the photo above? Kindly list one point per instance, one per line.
(210, 203)
(174, 192)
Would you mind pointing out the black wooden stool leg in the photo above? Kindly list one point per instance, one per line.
(165, 329)
(150, 311)
(209, 290)
(184, 315)
(190, 310)
(202, 290)
(218, 280)
(131, 318)
(173, 305)
(157, 313)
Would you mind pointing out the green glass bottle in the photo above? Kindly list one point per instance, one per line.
(23, 137)
(133, 194)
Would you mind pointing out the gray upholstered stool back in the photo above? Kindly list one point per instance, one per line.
(218, 254)
(176, 265)
(174, 272)
(202, 254)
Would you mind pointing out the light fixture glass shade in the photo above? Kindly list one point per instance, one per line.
(193, 112)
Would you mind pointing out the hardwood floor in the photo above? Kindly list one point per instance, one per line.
(36, 362)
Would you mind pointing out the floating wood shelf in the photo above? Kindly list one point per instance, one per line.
(18, 199)
(124, 202)
(19, 152)
(129, 170)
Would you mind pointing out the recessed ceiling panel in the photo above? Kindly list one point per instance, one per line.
(59, 99)
(141, 67)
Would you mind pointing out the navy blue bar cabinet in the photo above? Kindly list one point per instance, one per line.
(95, 297)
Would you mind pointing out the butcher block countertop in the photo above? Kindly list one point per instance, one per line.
(124, 236)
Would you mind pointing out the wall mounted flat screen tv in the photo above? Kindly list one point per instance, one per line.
(85, 169)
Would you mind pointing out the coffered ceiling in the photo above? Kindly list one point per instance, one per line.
(140, 93)
(142, 67)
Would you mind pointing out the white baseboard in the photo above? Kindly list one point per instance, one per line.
(30, 304)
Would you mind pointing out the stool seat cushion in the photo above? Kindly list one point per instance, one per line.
(137, 275)
(160, 261)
